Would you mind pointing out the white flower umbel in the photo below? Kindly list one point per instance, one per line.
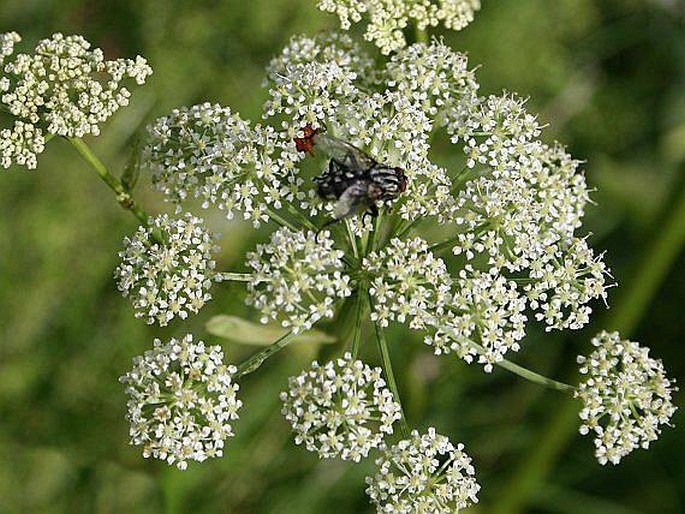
(21, 145)
(425, 473)
(67, 87)
(626, 397)
(297, 278)
(388, 18)
(167, 268)
(508, 205)
(181, 401)
(409, 284)
(209, 153)
(486, 318)
(342, 409)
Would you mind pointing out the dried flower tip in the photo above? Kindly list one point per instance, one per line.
(181, 401)
(297, 278)
(342, 409)
(167, 268)
(626, 397)
(425, 473)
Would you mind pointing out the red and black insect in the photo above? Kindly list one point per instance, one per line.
(354, 179)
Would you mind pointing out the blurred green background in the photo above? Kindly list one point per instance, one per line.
(609, 77)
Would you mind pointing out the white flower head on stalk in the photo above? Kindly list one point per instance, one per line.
(167, 268)
(626, 397)
(486, 319)
(181, 401)
(388, 18)
(342, 409)
(425, 473)
(410, 284)
(64, 88)
(209, 153)
(297, 277)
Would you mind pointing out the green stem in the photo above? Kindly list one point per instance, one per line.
(530, 474)
(254, 362)
(535, 377)
(421, 36)
(387, 369)
(301, 217)
(352, 238)
(123, 196)
(233, 277)
(281, 221)
(437, 247)
(359, 318)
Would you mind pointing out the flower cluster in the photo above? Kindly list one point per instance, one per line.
(297, 278)
(409, 284)
(209, 153)
(626, 397)
(511, 209)
(342, 409)
(388, 18)
(63, 88)
(486, 319)
(167, 268)
(182, 401)
(425, 473)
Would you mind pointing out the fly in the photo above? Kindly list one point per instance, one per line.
(354, 179)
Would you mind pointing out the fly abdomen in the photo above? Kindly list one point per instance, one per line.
(391, 181)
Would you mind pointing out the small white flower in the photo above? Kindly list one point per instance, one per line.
(388, 18)
(486, 318)
(63, 88)
(297, 278)
(7, 42)
(69, 86)
(209, 153)
(21, 145)
(342, 409)
(409, 284)
(182, 401)
(425, 473)
(171, 277)
(626, 397)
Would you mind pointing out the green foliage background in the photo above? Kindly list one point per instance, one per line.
(609, 77)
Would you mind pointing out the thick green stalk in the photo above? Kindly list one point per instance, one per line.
(531, 472)
(258, 359)
(535, 377)
(123, 196)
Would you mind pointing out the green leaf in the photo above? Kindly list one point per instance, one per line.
(243, 331)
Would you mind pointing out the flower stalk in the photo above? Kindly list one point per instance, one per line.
(389, 373)
(123, 195)
(254, 362)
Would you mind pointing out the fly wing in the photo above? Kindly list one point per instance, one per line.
(345, 154)
(353, 200)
